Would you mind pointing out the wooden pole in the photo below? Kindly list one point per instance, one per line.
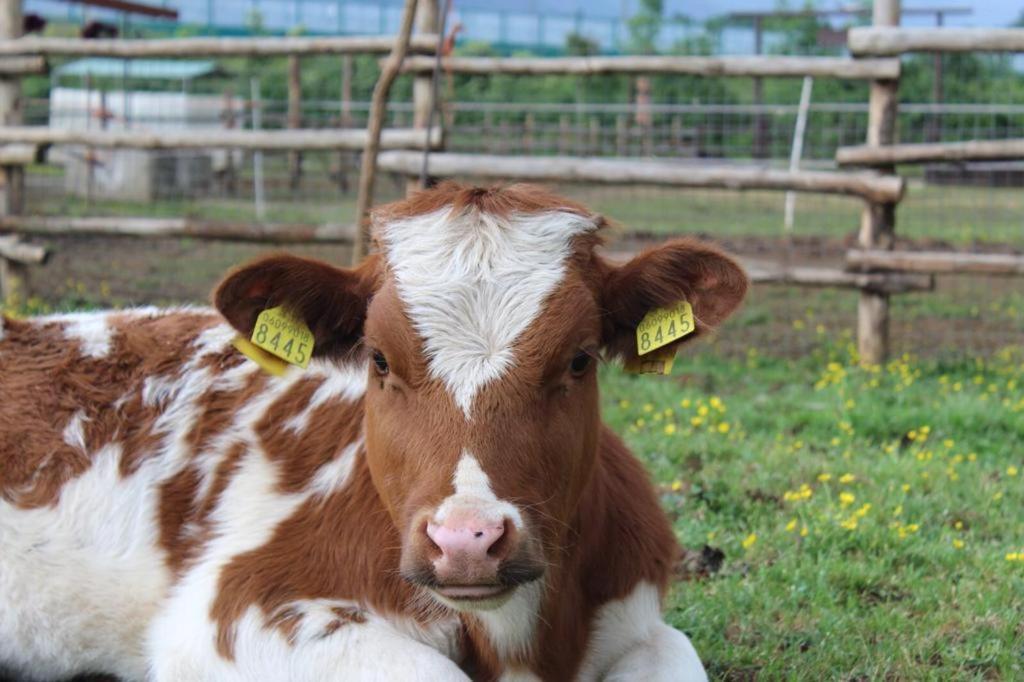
(1004, 264)
(427, 21)
(886, 189)
(145, 226)
(886, 40)
(344, 158)
(970, 150)
(878, 219)
(12, 177)
(765, 66)
(294, 118)
(266, 140)
(272, 46)
(378, 108)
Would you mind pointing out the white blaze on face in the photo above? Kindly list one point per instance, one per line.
(473, 492)
(473, 282)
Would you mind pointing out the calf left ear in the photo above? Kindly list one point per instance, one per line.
(331, 301)
(679, 270)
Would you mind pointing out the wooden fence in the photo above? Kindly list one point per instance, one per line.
(874, 269)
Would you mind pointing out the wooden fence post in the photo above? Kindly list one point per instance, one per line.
(12, 177)
(378, 110)
(427, 21)
(878, 220)
(294, 118)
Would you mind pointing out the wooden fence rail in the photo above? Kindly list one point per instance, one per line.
(267, 140)
(869, 186)
(892, 41)
(972, 150)
(936, 262)
(272, 233)
(758, 67)
(210, 47)
(22, 66)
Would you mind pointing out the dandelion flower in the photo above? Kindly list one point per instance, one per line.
(670, 429)
(846, 499)
(847, 478)
(824, 478)
(749, 541)
(1011, 470)
(958, 543)
(723, 427)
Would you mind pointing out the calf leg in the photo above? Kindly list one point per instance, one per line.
(629, 641)
(307, 641)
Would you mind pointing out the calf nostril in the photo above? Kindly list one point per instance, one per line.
(478, 534)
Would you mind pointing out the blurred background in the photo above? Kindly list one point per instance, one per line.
(690, 119)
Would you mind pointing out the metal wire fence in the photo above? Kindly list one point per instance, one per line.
(688, 120)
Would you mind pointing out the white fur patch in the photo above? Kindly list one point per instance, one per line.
(630, 641)
(512, 627)
(92, 330)
(74, 432)
(80, 581)
(345, 382)
(473, 491)
(473, 282)
(334, 475)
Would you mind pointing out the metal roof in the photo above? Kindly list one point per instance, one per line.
(162, 69)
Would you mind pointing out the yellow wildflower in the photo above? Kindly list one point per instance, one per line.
(846, 499)
(824, 478)
(670, 429)
(958, 543)
(749, 541)
(1011, 470)
(723, 427)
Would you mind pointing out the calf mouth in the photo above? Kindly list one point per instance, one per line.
(483, 595)
(473, 597)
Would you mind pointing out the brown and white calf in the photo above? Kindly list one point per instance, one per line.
(434, 498)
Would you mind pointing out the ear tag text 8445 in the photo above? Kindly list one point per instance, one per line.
(278, 335)
(659, 328)
(662, 326)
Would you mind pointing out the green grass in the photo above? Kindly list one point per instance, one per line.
(908, 479)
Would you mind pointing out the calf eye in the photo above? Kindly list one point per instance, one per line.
(380, 363)
(580, 363)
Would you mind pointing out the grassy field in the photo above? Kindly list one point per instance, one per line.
(869, 518)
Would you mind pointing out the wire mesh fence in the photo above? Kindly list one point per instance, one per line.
(685, 119)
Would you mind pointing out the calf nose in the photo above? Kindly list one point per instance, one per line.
(468, 539)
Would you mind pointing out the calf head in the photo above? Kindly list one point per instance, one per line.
(480, 321)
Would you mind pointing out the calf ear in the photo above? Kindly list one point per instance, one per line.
(680, 270)
(331, 301)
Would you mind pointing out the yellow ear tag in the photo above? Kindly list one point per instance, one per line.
(657, 362)
(284, 336)
(267, 362)
(662, 326)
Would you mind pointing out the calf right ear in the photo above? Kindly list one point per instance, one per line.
(331, 301)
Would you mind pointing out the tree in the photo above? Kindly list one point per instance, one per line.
(645, 27)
